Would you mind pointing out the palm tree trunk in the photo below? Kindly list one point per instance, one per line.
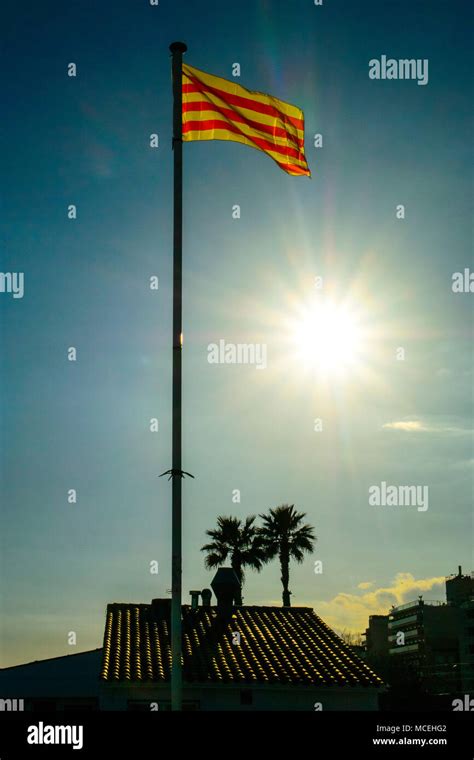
(237, 568)
(285, 576)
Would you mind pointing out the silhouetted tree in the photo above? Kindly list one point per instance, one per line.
(239, 541)
(350, 638)
(284, 536)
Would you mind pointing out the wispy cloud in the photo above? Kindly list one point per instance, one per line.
(417, 426)
(463, 464)
(407, 425)
(351, 611)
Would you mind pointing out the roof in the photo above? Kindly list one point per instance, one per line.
(67, 676)
(278, 645)
(50, 659)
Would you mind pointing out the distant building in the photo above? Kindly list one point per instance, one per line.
(376, 637)
(460, 592)
(459, 588)
(424, 635)
(466, 646)
(435, 640)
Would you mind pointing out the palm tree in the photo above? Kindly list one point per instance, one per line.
(285, 536)
(239, 541)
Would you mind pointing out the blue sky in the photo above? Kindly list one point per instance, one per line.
(85, 424)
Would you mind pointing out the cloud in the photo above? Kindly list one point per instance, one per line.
(408, 425)
(100, 158)
(351, 611)
(365, 585)
(417, 426)
(463, 464)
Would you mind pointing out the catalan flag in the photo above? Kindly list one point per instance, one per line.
(217, 109)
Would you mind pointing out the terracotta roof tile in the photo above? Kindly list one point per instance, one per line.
(277, 645)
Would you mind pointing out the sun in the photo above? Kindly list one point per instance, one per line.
(327, 336)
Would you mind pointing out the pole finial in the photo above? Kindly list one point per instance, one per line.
(178, 47)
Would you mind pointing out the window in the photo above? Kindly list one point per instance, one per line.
(142, 705)
(46, 705)
(79, 706)
(246, 697)
(190, 706)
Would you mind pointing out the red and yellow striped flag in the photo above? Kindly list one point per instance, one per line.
(217, 109)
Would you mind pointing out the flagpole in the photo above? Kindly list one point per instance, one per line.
(177, 50)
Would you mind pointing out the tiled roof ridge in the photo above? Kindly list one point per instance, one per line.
(214, 607)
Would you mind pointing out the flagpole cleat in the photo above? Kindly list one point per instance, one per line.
(176, 473)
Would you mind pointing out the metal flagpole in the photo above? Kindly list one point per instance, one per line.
(177, 50)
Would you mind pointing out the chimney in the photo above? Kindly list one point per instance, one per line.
(226, 587)
(161, 609)
(206, 595)
(195, 599)
(460, 571)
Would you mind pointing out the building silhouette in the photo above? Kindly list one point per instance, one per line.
(427, 644)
